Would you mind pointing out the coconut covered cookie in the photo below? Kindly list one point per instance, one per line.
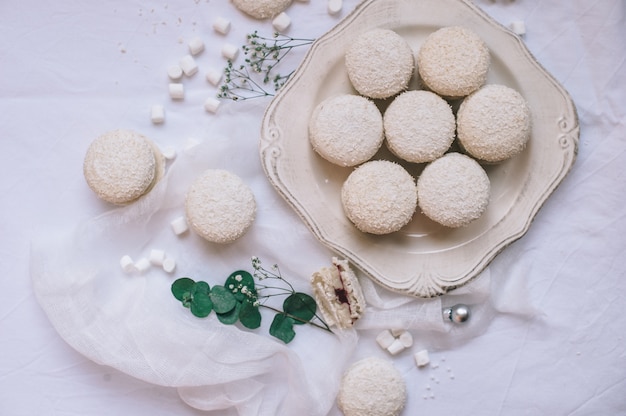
(346, 130)
(493, 123)
(219, 206)
(262, 9)
(120, 166)
(372, 387)
(379, 197)
(380, 63)
(453, 61)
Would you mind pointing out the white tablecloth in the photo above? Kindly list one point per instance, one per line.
(69, 71)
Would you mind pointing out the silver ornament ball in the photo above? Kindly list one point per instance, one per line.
(458, 313)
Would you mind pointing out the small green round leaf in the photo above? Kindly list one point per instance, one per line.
(201, 287)
(282, 328)
(201, 305)
(300, 305)
(237, 281)
(182, 286)
(249, 315)
(223, 300)
(231, 316)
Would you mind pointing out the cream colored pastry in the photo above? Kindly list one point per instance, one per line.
(219, 206)
(372, 387)
(120, 166)
(338, 293)
(453, 61)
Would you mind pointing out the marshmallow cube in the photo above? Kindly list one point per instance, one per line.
(214, 76)
(211, 104)
(230, 51)
(179, 225)
(127, 264)
(157, 114)
(385, 339)
(196, 45)
(281, 22)
(188, 65)
(177, 91)
(395, 347)
(169, 265)
(396, 332)
(174, 72)
(334, 6)
(157, 257)
(406, 339)
(518, 27)
(169, 152)
(421, 358)
(142, 264)
(221, 25)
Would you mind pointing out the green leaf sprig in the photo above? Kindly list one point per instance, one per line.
(239, 299)
(262, 55)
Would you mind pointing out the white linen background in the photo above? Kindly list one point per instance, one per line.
(69, 71)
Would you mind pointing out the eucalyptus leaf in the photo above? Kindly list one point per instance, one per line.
(201, 305)
(223, 300)
(301, 306)
(182, 286)
(282, 328)
(201, 287)
(237, 281)
(249, 315)
(231, 316)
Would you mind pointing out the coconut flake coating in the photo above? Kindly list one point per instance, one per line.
(419, 126)
(493, 123)
(453, 190)
(262, 9)
(372, 387)
(346, 130)
(453, 61)
(379, 197)
(380, 63)
(219, 206)
(121, 166)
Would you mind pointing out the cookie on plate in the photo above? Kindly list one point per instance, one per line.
(219, 206)
(120, 166)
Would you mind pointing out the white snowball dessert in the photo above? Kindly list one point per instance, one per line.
(262, 9)
(120, 166)
(494, 123)
(372, 387)
(453, 61)
(379, 197)
(338, 294)
(219, 206)
(419, 126)
(380, 63)
(346, 130)
(453, 190)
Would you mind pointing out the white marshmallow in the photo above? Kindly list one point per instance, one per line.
(196, 45)
(177, 91)
(188, 65)
(179, 225)
(169, 264)
(421, 358)
(157, 114)
(281, 22)
(127, 264)
(230, 51)
(214, 76)
(385, 339)
(221, 25)
(211, 104)
(396, 332)
(395, 347)
(168, 152)
(334, 6)
(406, 339)
(518, 27)
(142, 264)
(174, 72)
(157, 257)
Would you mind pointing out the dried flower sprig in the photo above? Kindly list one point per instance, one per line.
(240, 298)
(262, 54)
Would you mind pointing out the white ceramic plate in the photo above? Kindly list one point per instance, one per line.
(423, 259)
